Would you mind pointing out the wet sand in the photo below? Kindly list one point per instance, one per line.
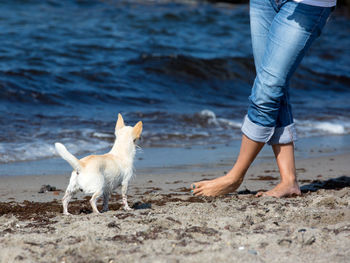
(169, 225)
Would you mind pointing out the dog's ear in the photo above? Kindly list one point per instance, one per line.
(120, 122)
(136, 131)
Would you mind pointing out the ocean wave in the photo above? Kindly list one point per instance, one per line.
(179, 65)
(102, 135)
(314, 127)
(161, 129)
(208, 118)
(40, 149)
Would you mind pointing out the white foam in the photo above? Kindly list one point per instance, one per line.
(35, 150)
(212, 119)
(330, 127)
(210, 115)
(10, 152)
(102, 135)
(204, 134)
(234, 124)
(322, 127)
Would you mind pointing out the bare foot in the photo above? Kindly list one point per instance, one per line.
(219, 186)
(282, 190)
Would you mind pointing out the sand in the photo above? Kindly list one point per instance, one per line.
(169, 225)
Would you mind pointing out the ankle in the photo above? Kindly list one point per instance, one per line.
(236, 174)
(292, 181)
(234, 179)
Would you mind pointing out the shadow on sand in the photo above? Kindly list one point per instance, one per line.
(330, 184)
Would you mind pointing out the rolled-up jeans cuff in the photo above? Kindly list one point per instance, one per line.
(269, 135)
(256, 132)
(284, 135)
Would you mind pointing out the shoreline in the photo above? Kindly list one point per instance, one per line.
(262, 175)
(198, 158)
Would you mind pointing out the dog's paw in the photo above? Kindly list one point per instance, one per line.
(67, 214)
(127, 208)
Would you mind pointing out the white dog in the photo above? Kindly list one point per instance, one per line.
(101, 174)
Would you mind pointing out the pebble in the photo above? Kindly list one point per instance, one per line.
(46, 188)
(252, 251)
(310, 241)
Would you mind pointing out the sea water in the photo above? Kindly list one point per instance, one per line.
(185, 68)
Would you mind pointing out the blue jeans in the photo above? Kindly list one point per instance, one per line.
(282, 31)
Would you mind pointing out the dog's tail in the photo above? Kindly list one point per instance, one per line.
(70, 158)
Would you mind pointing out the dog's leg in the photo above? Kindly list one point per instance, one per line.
(106, 195)
(65, 200)
(93, 200)
(124, 196)
(70, 191)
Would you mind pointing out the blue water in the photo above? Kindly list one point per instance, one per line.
(184, 68)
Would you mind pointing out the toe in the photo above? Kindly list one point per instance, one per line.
(196, 191)
(196, 185)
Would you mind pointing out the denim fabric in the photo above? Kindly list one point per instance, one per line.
(282, 31)
(274, 135)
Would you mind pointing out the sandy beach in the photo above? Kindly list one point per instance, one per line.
(169, 225)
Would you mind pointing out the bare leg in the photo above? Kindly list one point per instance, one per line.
(125, 197)
(288, 186)
(93, 200)
(233, 179)
(106, 195)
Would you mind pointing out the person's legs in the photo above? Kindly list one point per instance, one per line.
(270, 118)
(290, 34)
(308, 21)
(262, 14)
